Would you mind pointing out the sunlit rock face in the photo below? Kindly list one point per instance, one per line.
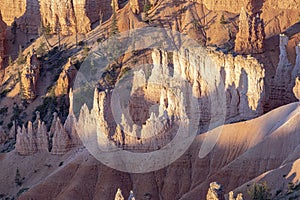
(251, 33)
(65, 79)
(296, 89)
(226, 89)
(74, 15)
(29, 76)
(215, 192)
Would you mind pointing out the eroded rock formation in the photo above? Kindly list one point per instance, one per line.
(119, 195)
(60, 139)
(215, 192)
(66, 79)
(29, 77)
(238, 197)
(251, 34)
(74, 15)
(296, 88)
(135, 6)
(286, 74)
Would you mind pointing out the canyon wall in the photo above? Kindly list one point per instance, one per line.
(69, 17)
(74, 15)
(235, 5)
(2, 40)
(12, 9)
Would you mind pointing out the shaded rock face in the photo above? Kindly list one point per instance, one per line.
(215, 192)
(285, 77)
(2, 40)
(29, 77)
(251, 34)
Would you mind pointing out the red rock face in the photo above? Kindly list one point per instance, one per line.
(2, 40)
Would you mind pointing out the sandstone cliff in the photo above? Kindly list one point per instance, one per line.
(74, 15)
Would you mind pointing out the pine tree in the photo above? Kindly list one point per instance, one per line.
(21, 59)
(114, 25)
(18, 179)
(10, 61)
(114, 49)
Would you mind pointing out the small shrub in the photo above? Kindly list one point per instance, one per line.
(41, 50)
(3, 111)
(81, 43)
(10, 124)
(4, 93)
(259, 192)
(10, 61)
(21, 58)
(61, 163)
(223, 20)
(21, 191)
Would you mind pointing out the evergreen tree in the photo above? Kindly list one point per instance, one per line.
(18, 179)
(21, 59)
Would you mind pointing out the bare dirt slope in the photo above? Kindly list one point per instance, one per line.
(243, 152)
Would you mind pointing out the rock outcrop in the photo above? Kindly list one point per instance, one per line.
(215, 192)
(296, 88)
(285, 77)
(135, 6)
(66, 79)
(12, 9)
(119, 195)
(74, 15)
(238, 197)
(29, 77)
(2, 40)
(60, 139)
(250, 37)
(131, 196)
